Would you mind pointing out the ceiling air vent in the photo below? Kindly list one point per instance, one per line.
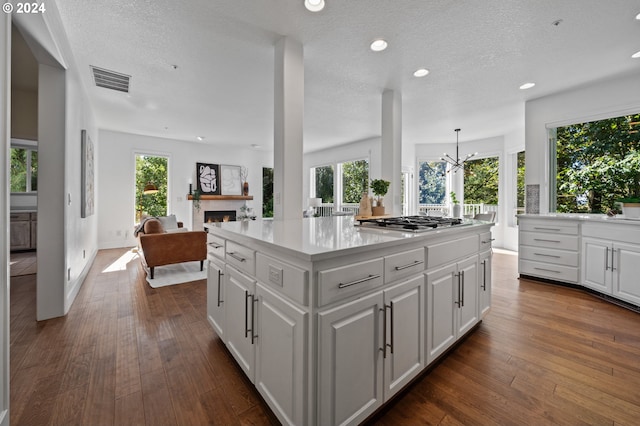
(111, 79)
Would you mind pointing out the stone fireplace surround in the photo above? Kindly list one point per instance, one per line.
(197, 215)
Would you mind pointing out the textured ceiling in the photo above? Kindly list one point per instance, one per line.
(478, 52)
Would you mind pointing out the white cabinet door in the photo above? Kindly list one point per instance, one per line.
(405, 333)
(215, 298)
(442, 293)
(467, 295)
(626, 275)
(350, 365)
(484, 284)
(20, 235)
(239, 320)
(596, 264)
(281, 365)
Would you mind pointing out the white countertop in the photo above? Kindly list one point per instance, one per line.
(321, 237)
(584, 217)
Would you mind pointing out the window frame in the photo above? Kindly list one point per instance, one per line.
(29, 146)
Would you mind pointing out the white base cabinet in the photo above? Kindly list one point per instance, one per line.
(452, 292)
(328, 342)
(484, 284)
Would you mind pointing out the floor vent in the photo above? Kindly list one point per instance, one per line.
(111, 79)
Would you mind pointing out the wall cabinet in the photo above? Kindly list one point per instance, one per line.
(452, 294)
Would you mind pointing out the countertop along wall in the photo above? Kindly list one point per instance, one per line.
(116, 168)
(606, 99)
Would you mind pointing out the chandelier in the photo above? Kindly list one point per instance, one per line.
(457, 163)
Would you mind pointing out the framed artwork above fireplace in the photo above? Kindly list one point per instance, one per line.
(208, 179)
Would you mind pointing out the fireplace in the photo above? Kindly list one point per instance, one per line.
(211, 216)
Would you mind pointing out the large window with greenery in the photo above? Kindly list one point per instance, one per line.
(267, 192)
(481, 179)
(355, 180)
(24, 169)
(323, 183)
(432, 182)
(520, 188)
(151, 170)
(596, 164)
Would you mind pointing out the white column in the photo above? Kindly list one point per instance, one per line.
(288, 118)
(391, 165)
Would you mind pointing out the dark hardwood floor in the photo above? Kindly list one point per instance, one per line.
(130, 354)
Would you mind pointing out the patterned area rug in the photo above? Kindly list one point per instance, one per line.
(179, 273)
(23, 263)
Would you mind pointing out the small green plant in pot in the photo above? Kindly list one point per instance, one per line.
(456, 210)
(379, 187)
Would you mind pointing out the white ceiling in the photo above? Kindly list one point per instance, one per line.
(478, 52)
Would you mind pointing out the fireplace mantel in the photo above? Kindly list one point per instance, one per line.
(222, 197)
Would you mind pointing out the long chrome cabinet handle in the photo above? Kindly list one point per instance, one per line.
(384, 331)
(606, 260)
(360, 281)
(457, 302)
(254, 336)
(484, 275)
(546, 229)
(417, 262)
(215, 246)
(462, 287)
(547, 255)
(236, 257)
(546, 241)
(613, 262)
(246, 314)
(391, 309)
(220, 274)
(547, 270)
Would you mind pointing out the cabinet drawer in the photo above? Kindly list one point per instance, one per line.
(216, 261)
(447, 252)
(241, 257)
(338, 283)
(540, 254)
(550, 227)
(287, 279)
(403, 265)
(550, 271)
(215, 245)
(556, 241)
(20, 217)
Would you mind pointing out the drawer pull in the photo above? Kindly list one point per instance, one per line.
(487, 241)
(236, 257)
(547, 255)
(546, 241)
(360, 281)
(417, 262)
(215, 246)
(220, 274)
(547, 270)
(547, 229)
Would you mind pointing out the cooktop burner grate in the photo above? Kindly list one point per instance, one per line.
(411, 223)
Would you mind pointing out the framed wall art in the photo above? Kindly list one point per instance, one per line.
(208, 181)
(87, 189)
(231, 182)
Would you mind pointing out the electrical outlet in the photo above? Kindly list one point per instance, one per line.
(275, 275)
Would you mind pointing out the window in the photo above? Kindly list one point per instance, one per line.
(596, 163)
(151, 170)
(481, 178)
(24, 169)
(355, 180)
(267, 192)
(432, 182)
(322, 182)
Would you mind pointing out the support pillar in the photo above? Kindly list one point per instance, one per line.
(391, 140)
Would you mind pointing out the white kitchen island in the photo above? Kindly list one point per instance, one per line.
(330, 320)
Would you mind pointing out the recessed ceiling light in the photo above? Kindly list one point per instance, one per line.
(421, 72)
(636, 55)
(378, 45)
(527, 86)
(255, 146)
(175, 67)
(314, 5)
(200, 138)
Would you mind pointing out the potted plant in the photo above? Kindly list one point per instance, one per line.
(196, 199)
(379, 187)
(456, 205)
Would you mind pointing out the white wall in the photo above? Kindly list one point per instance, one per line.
(606, 99)
(116, 183)
(67, 243)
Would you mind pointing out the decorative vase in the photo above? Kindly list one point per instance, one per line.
(365, 205)
(245, 188)
(378, 211)
(456, 210)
